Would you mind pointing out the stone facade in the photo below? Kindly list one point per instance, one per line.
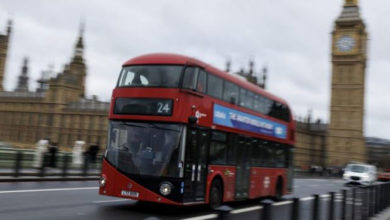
(345, 137)
(310, 144)
(378, 152)
(4, 41)
(57, 110)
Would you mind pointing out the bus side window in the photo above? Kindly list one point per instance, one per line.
(218, 153)
(268, 154)
(214, 86)
(263, 155)
(242, 97)
(280, 158)
(255, 155)
(246, 98)
(250, 100)
(190, 77)
(201, 86)
(218, 148)
(232, 149)
(285, 113)
(256, 103)
(230, 93)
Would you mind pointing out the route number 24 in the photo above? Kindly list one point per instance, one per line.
(163, 108)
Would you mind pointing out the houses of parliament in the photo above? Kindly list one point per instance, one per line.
(58, 109)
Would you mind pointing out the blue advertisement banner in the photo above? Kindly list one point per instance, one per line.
(244, 121)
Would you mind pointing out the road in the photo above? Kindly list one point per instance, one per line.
(80, 200)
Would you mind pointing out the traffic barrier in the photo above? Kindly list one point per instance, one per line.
(315, 211)
(331, 206)
(19, 163)
(358, 202)
(223, 212)
(295, 209)
(65, 165)
(353, 202)
(344, 205)
(267, 209)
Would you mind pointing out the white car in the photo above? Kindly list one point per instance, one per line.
(360, 173)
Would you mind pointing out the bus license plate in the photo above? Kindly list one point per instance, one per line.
(130, 193)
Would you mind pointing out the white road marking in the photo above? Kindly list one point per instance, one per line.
(116, 200)
(282, 203)
(203, 217)
(47, 190)
(307, 198)
(249, 209)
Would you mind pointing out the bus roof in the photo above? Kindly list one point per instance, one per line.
(166, 58)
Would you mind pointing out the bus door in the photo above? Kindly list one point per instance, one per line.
(243, 169)
(195, 173)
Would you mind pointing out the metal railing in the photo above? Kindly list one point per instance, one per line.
(19, 163)
(356, 203)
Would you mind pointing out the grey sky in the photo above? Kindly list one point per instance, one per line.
(291, 37)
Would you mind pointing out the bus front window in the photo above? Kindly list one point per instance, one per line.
(150, 149)
(150, 76)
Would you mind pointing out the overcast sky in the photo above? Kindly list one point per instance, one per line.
(292, 38)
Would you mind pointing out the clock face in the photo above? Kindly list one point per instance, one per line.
(345, 43)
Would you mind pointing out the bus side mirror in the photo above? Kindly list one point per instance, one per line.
(192, 119)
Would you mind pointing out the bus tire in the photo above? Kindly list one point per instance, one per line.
(215, 195)
(279, 190)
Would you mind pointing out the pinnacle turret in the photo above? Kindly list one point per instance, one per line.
(23, 78)
(79, 49)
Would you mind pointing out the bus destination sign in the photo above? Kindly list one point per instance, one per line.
(137, 106)
(244, 121)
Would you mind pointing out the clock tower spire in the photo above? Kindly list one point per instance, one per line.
(349, 55)
(351, 2)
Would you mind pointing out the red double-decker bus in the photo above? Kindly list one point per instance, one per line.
(182, 132)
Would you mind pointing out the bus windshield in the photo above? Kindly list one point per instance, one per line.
(150, 149)
(150, 76)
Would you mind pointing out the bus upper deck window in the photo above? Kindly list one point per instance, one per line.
(150, 76)
(190, 77)
(201, 85)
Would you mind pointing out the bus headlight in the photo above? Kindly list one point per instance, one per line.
(165, 188)
(102, 181)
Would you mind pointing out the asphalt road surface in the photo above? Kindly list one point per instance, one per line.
(80, 200)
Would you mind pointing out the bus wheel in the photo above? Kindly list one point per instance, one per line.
(279, 190)
(215, 197)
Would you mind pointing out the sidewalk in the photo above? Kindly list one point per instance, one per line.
(50, 174)
(385, 215)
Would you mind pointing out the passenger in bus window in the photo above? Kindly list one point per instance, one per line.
(134, 141)
(136, 80)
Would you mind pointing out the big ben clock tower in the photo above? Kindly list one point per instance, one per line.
(349, 55)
